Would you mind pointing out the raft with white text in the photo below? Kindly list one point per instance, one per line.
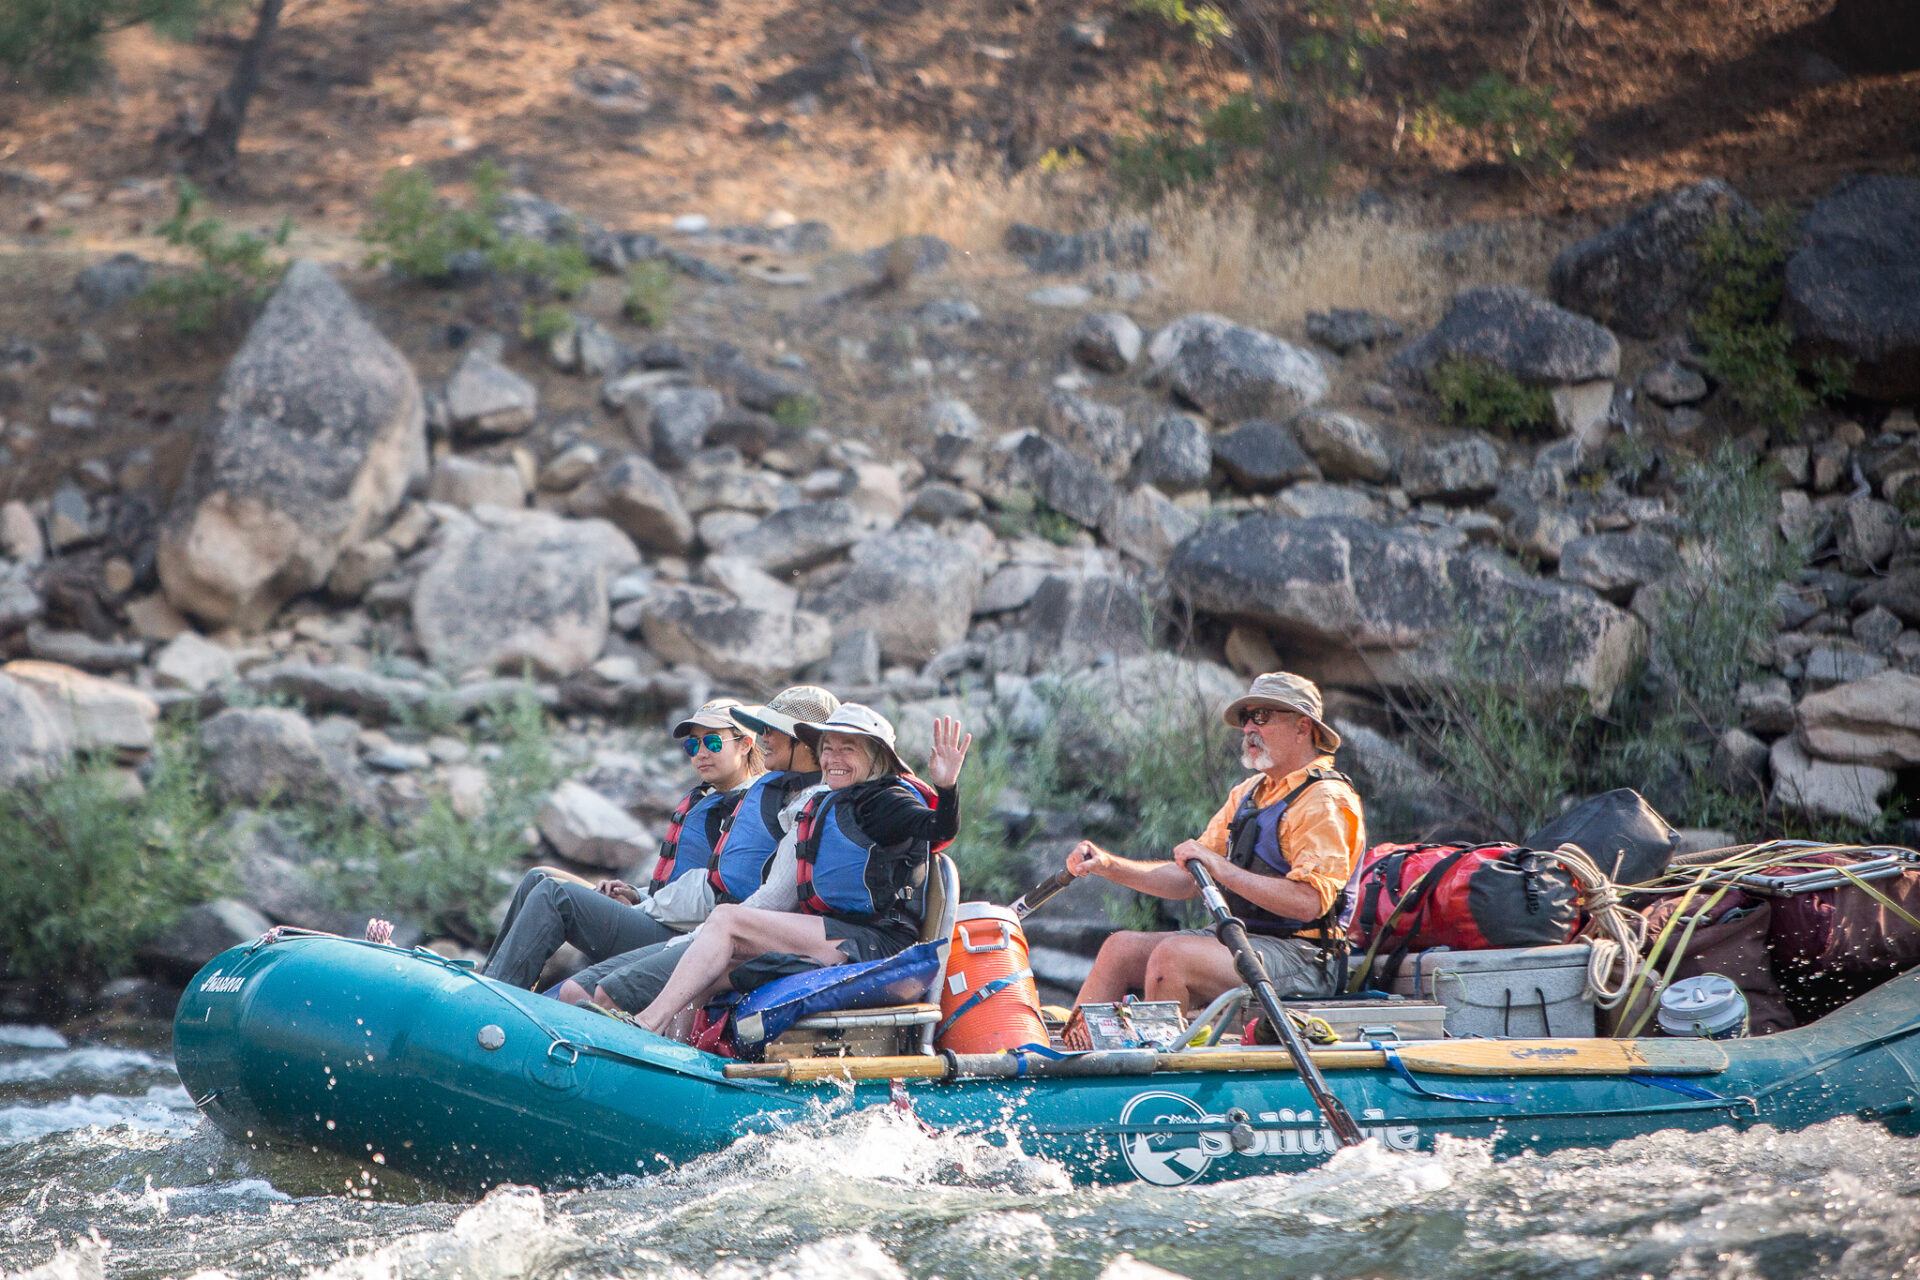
(409, 1060)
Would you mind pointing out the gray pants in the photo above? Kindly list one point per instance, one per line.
(1299, 969)
(546, 912)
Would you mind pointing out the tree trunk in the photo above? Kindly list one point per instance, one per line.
(214, 153)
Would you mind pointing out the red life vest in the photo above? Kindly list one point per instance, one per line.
(692, 832)
(842, 871)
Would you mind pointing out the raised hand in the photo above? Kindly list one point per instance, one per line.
(949, 752)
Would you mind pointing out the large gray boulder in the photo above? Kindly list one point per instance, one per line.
(1096, 431)
(1616, 564)
(585, 826)
(1825, 789)
(202, 932)
(1853, 286)
(1103, 714)
(319, 429)
(97, 714)
(1061, 478)
(729, 639)
(486, 399)
(1345, 447)
(1461, 470)
(1082, 620)
(645, 505)
(1872, 721)
(255, 755)
(1146, 524)
(1261, 456)
(20, 603)
(912, 588)
(1335, 586)
(512, 589)
(1177, 456)
(33, 739)
(799, 537)
(1641, 276)
(1510, 329)
(1228, 371)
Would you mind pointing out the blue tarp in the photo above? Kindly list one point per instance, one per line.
(766, 1012)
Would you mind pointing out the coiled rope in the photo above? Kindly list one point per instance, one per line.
(1615, 933)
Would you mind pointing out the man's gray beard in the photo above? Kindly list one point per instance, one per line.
(1255, 758)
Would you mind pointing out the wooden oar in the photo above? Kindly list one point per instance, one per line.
(1675, 1057)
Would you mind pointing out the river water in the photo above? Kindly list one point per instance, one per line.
(105, 1170)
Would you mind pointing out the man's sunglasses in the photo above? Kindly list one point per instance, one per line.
(712, 742)
(1260, 717)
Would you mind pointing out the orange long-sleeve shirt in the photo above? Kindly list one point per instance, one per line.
(1323, 833)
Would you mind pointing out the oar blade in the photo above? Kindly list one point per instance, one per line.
(1677, 1057)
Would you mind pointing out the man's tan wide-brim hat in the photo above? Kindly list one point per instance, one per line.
(860, 721)
(1288, 692)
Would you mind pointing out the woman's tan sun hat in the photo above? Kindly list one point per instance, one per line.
(1288, 692)
(859, 721)
(787, 709)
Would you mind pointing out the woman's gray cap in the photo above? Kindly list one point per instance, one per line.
(1288, 692)
(785, 710)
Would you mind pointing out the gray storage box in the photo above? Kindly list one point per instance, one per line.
(1518, 992)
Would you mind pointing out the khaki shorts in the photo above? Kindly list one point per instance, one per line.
(1299, 969)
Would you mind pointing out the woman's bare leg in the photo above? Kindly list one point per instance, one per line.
(572, 992)
(731, 934)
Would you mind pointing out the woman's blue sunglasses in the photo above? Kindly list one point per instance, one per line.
(712, 742)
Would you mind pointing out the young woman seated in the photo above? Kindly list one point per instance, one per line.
(612, 917)
(861, 854)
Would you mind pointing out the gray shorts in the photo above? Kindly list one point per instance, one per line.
(1299, 969)
(634, 980)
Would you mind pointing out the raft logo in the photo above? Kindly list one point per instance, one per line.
(1168, 1139)
(218, 984)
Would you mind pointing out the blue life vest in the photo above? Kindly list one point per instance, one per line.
(845, 873)
(692, 833)
(753, 834)
(1253, 844)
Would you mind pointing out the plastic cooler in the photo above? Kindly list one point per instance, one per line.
(989, 1002)
(1514, 992)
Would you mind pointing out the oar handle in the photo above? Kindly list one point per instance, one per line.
(1030, 901)
(1247, 962)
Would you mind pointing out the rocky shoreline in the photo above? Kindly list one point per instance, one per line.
(359, 562)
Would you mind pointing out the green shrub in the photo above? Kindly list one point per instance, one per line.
(57, 43)
(650, 294)
(441, 869)
(233, 270)
(1484, 397)
(421, 235)
(1519, 123)
(544, 323)
(91, 874)
(1204, 23)
(982, 852)
(797, 413)
(1744, 346)
(1329, 54)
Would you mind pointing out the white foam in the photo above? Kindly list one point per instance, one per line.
(849, 1257)
(101, 1063)
(87, 1260)
(508, 1234)
(1127, 1267)
(164, 1109)
(31, 1037)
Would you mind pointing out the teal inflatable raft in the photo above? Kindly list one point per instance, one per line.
(415, 1060)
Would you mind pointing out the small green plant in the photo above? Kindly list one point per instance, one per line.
(650, 294)
(1518, 123)
(442, 869)
(797, 412)
(544, 323)
(1485, 397)
(423, 236)
(233, 269)
(91, 874)
(57, 43)
(1203, 23)
(1329, 53)
(1024, 516)
(1745, 347)
(982, 852)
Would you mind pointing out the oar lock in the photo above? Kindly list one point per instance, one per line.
(1241, 1135)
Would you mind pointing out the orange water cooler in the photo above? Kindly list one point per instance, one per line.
(989, 1003)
